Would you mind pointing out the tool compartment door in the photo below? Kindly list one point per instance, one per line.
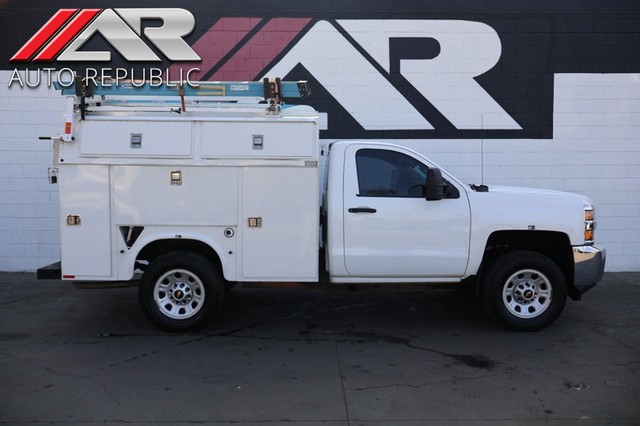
(280, 223)
(278, 139)
(85, 246)
(135, 138)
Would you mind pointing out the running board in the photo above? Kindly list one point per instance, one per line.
(303, 286)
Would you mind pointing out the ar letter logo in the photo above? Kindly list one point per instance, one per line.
(65, 33)
(466, 50)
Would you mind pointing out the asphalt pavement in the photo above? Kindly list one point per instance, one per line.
(316, 357)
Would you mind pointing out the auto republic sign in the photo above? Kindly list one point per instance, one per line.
(62, 36)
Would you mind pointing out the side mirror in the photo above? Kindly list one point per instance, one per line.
(434, 186)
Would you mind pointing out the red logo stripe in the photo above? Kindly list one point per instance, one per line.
(218, 41)
(261, 50)
(43, 35)
(67, 34)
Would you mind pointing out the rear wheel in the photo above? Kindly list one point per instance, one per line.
(180, 291)
(524, 290)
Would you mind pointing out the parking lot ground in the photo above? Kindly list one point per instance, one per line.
(316, 357)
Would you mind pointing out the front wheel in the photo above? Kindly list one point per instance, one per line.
(180, 291)
(524, 290)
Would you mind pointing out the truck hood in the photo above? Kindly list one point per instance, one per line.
(516, 208)
(520, 190)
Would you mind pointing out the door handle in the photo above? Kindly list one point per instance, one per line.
(362, 210)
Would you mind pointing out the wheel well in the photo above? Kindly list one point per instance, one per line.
(157, 248)
(554, 245)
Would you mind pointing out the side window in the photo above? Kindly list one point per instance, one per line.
(385, 173)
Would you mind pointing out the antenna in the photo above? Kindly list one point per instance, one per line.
(482, 150)
(482, 187)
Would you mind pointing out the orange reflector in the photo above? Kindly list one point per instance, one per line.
(588, 234)
(67, 128)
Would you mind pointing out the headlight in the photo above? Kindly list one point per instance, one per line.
(589, 224)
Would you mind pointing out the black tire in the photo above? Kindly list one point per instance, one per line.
(524, 290)
(181, 291)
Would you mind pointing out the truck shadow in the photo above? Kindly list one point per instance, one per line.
(343, 308)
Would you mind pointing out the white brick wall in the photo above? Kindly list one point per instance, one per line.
(29, 231)
(595, 151)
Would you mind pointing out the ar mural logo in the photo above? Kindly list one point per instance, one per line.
(403, 78)
(358, 62)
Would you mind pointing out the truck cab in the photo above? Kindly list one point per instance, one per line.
(382, 228)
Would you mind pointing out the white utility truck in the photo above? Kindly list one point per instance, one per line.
(187, 191)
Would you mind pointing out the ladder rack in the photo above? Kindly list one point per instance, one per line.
(201, 93)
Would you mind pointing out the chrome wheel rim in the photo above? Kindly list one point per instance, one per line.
(179, 294)
(527, 293)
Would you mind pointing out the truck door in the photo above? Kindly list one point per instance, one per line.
(390, 230)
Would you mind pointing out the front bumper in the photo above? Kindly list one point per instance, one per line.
(588, 267)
